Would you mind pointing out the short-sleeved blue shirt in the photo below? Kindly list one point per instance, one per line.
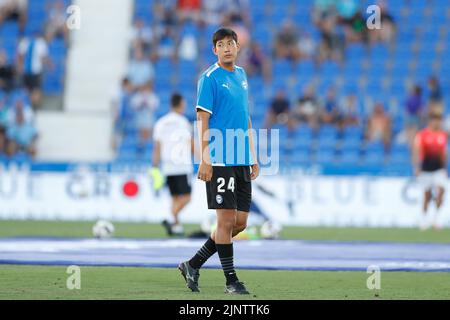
(224, 94)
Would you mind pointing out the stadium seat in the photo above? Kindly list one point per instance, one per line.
(374, 158)
(349, 157)
(325, 157)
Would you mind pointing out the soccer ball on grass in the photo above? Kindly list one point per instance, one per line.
(103, 229)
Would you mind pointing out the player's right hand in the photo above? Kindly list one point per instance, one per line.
(205, 172)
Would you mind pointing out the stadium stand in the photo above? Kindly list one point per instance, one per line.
(377, 69)
(37, 18)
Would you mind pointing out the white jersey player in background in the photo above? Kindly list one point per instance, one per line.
(173, 148)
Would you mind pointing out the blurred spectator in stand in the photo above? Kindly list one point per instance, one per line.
(435, 94)
(306, 110)
(388, 28)
(188, 46)
(379, 126)
(332, 43)
(22, 134)
(307, 46)
(256, 62)
(32, 58)
(286, 42)
(189, 10)
(350, 111)
(414, 113)
(122, 111)
(142, 37)
(144, 103)
(235, 21)
(352, 20)
(331, 113)
(140, 70)
(278, 111)
(165, 13)
(212, 11)
(322, 9)
(167, 44)
(55, 25)
(4, 117)
(20, 103)
(165, 26)
(6, 72)
(14, 10)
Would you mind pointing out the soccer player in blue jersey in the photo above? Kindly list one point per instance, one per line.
(228, 162)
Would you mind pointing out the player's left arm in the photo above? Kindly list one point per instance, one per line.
(255, 165)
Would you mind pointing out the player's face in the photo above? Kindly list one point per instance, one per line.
(436, 123)
(182, 106)
(226, 50)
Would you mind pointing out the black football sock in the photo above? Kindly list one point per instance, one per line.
(205, 252)
(225, 252)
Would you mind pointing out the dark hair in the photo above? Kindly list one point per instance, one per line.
(417, 90)
(175, 100)
(435, 114)
(222, 33)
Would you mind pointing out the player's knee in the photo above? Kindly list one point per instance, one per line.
(240, 227)
(225, 225)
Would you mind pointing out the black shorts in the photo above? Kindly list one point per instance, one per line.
(230, 188)
(179, 185)
(32, 81)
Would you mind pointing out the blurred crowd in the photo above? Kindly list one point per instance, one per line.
(315, 111)
(170, 36)
(337, 23)
(21, 72)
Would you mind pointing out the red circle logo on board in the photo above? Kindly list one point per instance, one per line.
(130, 188)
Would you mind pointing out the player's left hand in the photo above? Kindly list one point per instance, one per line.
(255, 171)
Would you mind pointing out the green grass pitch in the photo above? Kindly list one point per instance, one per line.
(49, 282)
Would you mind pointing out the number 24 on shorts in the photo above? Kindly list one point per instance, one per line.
(221, 183)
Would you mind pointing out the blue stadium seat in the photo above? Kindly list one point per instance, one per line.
(355, 51)
(375, 147)
(350, 157)
(400, 158)
(300, 157)
(282, 67)
(352, 131)
(374, 158)
(305, 68)
(350, 144)
(327, 131)
(325, 156)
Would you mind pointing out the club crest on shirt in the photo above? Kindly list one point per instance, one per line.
(244, 85)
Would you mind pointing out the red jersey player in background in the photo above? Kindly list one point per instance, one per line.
(430, 164)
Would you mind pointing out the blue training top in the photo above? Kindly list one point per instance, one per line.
(224, 94)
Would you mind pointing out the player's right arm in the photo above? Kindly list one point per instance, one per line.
(156, 153)
(416, 154)
(205, 169)
(206, 93)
